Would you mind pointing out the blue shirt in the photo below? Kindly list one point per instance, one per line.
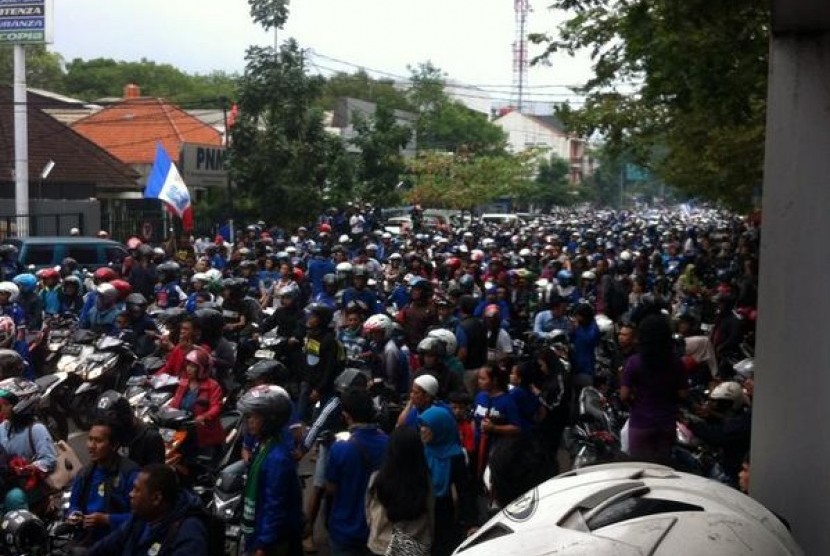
(500, 409)
(351, 462)
(528, 405)
(96, 499)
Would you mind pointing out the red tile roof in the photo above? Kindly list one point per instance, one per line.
(77, 160)
(130, 129)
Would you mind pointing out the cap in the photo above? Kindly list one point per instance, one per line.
(428, 384)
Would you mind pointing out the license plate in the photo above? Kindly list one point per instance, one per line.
(264, 354)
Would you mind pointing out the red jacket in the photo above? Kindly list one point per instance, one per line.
(175, 363)
(209, 404)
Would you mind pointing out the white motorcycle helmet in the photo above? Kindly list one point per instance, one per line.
(632, 509)
(446, 336)
(730, 392)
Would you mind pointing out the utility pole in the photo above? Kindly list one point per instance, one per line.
(21, 143)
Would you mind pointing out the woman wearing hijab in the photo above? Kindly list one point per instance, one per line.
(448, 471)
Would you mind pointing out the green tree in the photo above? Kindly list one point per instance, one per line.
(105, 77)
(465, 181)
(44, 69)
(281, 157)
(445, 124)
(551, 187)
(360, 86)
(380, 139)
(685, 79)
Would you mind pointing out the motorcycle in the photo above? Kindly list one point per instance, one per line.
(595, 437)
(147, 394)
(107, 368)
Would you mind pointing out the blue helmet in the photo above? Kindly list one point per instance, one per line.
(564, 277)
(26, 282)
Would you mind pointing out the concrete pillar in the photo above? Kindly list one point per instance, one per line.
(791, 421)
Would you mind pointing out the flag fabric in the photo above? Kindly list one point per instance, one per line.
(165, 183)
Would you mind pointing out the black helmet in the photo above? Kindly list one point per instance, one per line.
(169, 271)
(322, 312)
(237, 287)
(270, 401)
(69, 264)
(350, 378)
(172, 316)
(144, 251)
(8, 251)
(211, 322)
(11, 363)
(136, 299)
(272, 372)
(24, 532)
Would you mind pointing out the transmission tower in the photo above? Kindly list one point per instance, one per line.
(520, 61)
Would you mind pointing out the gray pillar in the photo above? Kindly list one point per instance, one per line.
(791, 422)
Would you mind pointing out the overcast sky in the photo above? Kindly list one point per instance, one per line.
(469, 39)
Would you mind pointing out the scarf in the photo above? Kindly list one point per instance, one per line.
(444, 446)
(252, 488)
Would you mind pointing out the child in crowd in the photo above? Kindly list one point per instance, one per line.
(460, 403)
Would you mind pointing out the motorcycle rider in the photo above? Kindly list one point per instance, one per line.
(360, 292)
(272, 517)
(420, 314)
(168, 292)
(29, 301)
(69, 295)
(100, 498)
(727, 425)
(431, 352)
(101, 318)
(137, 440)
(323, 359)
(26, 441)
(9, 265)
(554, 318)
(143, 331)
(100, 276)
(328, 294)
(50, 290)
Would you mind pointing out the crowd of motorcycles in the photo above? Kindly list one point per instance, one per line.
(78, 366)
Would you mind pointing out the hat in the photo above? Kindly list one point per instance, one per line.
(428, 384)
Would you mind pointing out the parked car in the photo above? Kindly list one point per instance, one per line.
(90, 252)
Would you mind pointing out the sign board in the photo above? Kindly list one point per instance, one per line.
(636, 173)
(203, 165)
(26, 21)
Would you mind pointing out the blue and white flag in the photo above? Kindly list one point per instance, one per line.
(166, 183)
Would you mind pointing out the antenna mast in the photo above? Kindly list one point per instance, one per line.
(520, 60)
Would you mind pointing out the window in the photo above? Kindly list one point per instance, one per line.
(115, 255)
(39, 255)
(84, 254)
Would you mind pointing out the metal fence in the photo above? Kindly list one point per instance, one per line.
(15, 225)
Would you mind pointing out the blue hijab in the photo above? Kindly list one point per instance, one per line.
(443, 447)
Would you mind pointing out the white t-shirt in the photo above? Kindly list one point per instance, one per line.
(356, 222)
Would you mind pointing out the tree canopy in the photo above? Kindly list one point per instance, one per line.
(43, 68)
(681, 86)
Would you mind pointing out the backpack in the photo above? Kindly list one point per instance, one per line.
(213, 524)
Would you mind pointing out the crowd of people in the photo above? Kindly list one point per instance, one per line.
(486, 332)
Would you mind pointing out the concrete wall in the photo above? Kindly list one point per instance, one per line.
(791, 428)
(48, 224)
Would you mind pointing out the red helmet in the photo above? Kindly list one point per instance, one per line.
(104, 274)
(133, 243)
(325, 228)
(48, 273)
(454, 263)
(492, 310)
(124, 288)
(202, 359)
(298, 274)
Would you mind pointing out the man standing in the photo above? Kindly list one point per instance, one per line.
(351, 463)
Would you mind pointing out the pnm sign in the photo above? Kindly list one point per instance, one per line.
(203, 165)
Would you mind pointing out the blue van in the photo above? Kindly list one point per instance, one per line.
(90, 252)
